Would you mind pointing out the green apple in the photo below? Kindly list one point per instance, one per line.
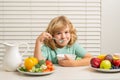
(105, 64)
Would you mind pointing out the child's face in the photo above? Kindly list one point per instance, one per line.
(63, 35)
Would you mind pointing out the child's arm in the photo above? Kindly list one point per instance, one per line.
(37, 51)
(72, 63)
(85, 61)
(38, 44)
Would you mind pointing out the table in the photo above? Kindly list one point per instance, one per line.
(63, 73)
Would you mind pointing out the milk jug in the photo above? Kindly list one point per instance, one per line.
(12, 58)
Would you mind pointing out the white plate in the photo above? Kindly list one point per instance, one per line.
(105, 70)
(33, 73)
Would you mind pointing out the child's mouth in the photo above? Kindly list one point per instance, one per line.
(61, 40)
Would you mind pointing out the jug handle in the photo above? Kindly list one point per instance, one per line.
(23, 43)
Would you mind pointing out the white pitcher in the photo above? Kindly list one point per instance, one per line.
(12, 58)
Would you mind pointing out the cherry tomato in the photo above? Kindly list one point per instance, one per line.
(50, 67)
(48, 62)
(46, 70)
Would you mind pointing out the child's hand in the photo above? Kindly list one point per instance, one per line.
(44, 36)
(66, 62)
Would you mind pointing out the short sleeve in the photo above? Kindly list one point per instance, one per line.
(49, 54)
(79, 50)
(44, 50)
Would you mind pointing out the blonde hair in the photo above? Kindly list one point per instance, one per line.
(59, 23)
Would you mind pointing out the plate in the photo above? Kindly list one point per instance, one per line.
(33, 73)
(106, 70)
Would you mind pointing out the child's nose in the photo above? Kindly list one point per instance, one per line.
(63, 35)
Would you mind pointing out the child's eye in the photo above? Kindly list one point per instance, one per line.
(58, 33)
(66, 32)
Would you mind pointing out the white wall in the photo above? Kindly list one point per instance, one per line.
(110, 26)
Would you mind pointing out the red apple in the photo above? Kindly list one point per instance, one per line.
(95, 62)
(116, 62)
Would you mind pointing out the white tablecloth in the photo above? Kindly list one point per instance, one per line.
(63, 73)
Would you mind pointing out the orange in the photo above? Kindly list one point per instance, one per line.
(101, 56)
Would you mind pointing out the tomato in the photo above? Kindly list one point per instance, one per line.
(30, 62)
(49, 65)
(48, 62)
(46, 70)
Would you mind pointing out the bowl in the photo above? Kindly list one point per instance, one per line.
(62, 56)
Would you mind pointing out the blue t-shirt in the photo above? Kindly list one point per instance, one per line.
(50, 54)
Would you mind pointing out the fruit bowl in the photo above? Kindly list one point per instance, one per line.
(105, 63)
(105, 70)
